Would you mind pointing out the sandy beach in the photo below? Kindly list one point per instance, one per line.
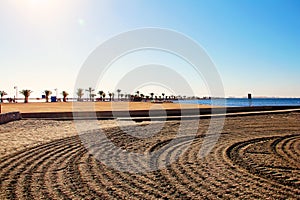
(256, 157)
(146, 100)
(94, 106)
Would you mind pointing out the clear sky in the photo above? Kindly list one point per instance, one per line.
(253, 43)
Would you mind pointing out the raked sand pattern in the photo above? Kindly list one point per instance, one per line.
(256, 157)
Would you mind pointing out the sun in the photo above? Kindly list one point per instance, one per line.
(39, 3)
(35, 2)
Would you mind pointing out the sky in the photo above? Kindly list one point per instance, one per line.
(254, 44)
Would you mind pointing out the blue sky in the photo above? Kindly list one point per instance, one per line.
(253, 43)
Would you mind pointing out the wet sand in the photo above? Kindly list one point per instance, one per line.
(256, 157)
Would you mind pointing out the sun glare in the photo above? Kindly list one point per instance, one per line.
(44, 12)
(38, 2)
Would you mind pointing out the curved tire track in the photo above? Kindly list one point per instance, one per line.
(64, 169)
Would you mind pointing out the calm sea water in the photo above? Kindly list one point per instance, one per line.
(236, 102)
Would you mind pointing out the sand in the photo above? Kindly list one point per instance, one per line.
(256, 157)
(97, 106)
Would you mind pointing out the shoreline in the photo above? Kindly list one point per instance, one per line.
(136, 111)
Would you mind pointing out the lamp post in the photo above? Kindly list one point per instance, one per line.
(16, 97)
(56, 94)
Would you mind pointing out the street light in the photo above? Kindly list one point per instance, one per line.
(16, 97)
(56, 92)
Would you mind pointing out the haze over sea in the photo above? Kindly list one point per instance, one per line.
(237, 102)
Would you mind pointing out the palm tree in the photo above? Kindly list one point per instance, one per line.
(65, 94)
(90, 90)
(122, 95)
(118, 91)
(92, 97)
(151, 94)
(113, 96)
(101, 94)
(138, 93)
(110, 95)
(47, 94)
(26, 94)
(163, 94)
(2, 93)
(79, 93)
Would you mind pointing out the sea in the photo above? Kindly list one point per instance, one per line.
(244, 102)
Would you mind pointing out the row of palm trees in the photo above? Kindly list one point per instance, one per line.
(91, 95)
(48, 93)
(133, 97)
(26, 93)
